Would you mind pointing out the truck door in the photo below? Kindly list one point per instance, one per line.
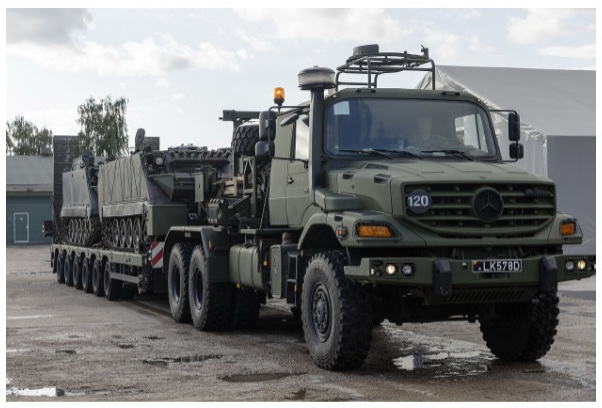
(297, 177)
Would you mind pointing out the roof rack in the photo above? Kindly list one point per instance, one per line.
(367, 60)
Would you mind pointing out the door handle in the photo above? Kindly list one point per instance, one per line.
(290, 180)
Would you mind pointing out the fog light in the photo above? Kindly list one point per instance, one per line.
(391, 269)
(407, 270)
(581, 264)
(570, 266)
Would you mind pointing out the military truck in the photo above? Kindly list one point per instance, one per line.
(364, 204)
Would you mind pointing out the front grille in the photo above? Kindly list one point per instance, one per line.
(461, 210)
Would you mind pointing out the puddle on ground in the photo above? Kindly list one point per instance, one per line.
(446, 364)
(66, 352)
(36, 392)
(126, 345)
(250, 378)
(189, 359)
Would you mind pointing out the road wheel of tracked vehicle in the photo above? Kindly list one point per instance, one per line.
(521, 331)
(112, 286)
(68, 268)
(70, 231)
(80, 231)
(129, 230)
(177, 282)
(336, 314)
(97, 278)
(245, 308)
(115, 233)
(86, 275)
(77, 272)
(210, 303)
(136, 233)
(122, 233)
(60, 268)
(244, 139)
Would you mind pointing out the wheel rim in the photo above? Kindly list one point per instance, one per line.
(136, 233)
(321, 312)
(129, 228)
(95, 276)
(197, 287)
(85, 273)
(122, 233)
(107, 278)
(116, 232)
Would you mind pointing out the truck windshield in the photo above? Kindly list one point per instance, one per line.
(424, 128)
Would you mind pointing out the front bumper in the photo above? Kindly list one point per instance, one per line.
(440, 275)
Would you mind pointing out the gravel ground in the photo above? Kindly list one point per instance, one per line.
(64, 345)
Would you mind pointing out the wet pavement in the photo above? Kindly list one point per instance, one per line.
(64, 345)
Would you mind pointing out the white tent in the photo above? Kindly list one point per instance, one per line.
(558, 128)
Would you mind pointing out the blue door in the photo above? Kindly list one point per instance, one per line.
(21, 223)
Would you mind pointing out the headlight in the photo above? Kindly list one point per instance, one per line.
(581, 264)
(159, 161)
(391, 269)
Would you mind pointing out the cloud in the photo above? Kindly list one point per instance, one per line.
(312, 24)
(582, 52)
(540, 25)
(153, 56)
(45, 26)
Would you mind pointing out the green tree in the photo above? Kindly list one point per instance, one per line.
(24, 138)
(103, 126)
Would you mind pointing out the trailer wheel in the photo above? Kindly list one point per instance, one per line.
(60, 271)
(210, 303)
(86, 276)
(336, 314)
(521, 331)
(112, 286)
(245, 308)
(97, 278)
(177, 282)
(68, 268)
(77, 272)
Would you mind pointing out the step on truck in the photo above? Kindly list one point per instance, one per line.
(362, 204)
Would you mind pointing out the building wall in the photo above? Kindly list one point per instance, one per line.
(39, 209)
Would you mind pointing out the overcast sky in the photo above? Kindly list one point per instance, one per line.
(179, 68)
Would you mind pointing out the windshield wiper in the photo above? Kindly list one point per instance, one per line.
(451, 152)
(382, 152)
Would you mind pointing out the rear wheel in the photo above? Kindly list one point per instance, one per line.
(521, 331)
(112, 286)
(177, 282)
(86, 275)
(97, 278)
(77, 272)
(210, 303)
(60, 268)
(68, 268)
(336, 314)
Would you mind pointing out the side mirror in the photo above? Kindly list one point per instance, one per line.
(264, 150)
(267, 125)
(513, 127)
(517, 151)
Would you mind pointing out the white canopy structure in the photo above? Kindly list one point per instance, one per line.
(558, 128)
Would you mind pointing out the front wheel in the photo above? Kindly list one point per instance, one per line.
(336, 314)
(521, 331)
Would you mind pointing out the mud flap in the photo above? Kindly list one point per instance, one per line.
(442, 278)
(548, 275)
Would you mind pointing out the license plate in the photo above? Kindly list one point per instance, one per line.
(497, 265)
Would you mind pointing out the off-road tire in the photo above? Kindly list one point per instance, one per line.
(523, 331)
(60, 268)
(177, 282)
(244, 139)
(77, 273)
(336, 314)
(98, 278)
(112, 287)
(210, 303)
(87, 275)
(245, 308)
(68, 270)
